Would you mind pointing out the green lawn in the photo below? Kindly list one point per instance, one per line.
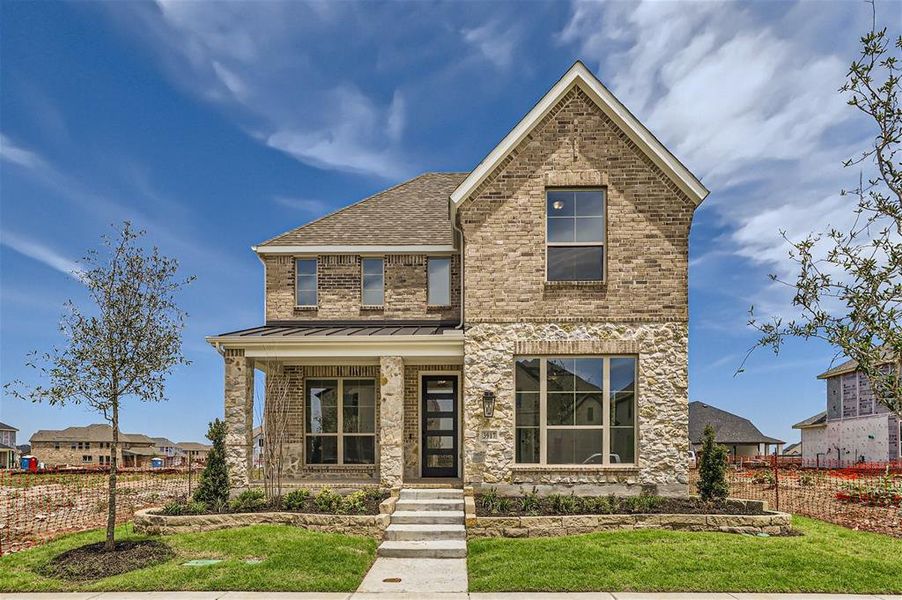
(827, 558)
(293, 560)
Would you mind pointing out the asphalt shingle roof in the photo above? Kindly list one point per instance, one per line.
(5, 427)
(414, 212)
(98, 432)
(728, 428)
(818, 419)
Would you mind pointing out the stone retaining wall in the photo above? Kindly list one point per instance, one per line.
(773, 523)
(156, 524)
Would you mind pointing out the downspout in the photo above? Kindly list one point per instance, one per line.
(462, 243)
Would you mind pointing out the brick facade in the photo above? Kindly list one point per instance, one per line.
(648, 221)
(62, 453)
(339, 290)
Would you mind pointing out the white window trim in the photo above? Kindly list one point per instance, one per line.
(315, 260)
(340, 434)
(603, 243)
(363, 275)
(605, 427)
(429, 301)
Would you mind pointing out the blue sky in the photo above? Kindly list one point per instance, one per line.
(217, 125)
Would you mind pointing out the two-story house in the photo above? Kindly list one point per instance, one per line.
(8, 450)
(91, 446)
(525, 323)
(856, 427)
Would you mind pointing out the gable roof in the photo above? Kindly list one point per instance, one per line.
(851, 365)
(818, 420)
(5, 427)
(194, 447)
(98, 432)
(728, 428)
(161, 441)
(580, 75)
(793, 449)
(412, 213)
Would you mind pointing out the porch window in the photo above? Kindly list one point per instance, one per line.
(575, 235)
(305, 281)
(575, 410)
(439, 291)
(341, 421)
(373, 284)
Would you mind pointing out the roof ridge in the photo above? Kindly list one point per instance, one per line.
(352, 205)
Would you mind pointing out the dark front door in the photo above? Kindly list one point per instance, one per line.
(439, 426)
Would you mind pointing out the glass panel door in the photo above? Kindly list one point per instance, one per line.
(439, 426)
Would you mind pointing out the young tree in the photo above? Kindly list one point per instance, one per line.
(124, 346)
(712, 469)
(213, 489)
(849, 285)
(276, 404)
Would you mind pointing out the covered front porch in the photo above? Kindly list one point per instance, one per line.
(343, 405)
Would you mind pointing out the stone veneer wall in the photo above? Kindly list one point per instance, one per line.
(239, 416)
(339, 289)
(391, 421)
(412, 404)
(662, 411)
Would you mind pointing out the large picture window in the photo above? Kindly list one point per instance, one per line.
(305, 283)
(575, 410)
(575, 235)
(341, 421)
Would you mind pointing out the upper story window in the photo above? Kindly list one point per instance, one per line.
(305, 284)
(575, 410)
(373, 284)
(575, 235)
(439, 292)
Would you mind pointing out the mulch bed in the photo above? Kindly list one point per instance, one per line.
(518, 506)
(93, 562)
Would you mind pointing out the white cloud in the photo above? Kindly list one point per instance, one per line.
(40, 252)
(250, 59)
(495, 42)
(12, 152)
(304, 205)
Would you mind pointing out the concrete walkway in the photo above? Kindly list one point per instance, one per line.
(430, 596)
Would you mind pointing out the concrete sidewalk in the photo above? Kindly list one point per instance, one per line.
(432, 596)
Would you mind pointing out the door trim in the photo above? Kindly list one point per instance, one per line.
(460, 421)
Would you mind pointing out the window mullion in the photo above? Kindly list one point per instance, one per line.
(606, 412)
(543, 421)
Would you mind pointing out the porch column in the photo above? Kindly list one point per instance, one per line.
(391, 421)
(239, 416)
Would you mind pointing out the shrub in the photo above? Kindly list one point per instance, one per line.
(564, 505)
(328, 501)
(177, 508)
(764, 477)
(489, 500)
(712, 469)
(530, 503)
(806, 480)
(354, 502)
(295, 499)
(248, 501)
(213, 488)
(643, 503)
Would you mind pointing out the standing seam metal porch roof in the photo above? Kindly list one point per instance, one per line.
(338, 330)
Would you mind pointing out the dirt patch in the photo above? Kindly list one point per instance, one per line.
(93, 562)
(491, 505)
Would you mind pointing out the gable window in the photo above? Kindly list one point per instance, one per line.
(575, 235)
(305, 284)
(341, 422)
(575, 410)
(439, 292)
(373, 290)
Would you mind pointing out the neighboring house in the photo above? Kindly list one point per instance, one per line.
(794, 450)
(90, 445)
(258, 447)
(522, 324)
(8, 452)
(193, 452)
(738, 434)
(167, 450)
(856, 427)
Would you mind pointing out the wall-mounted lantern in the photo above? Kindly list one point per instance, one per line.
(488, 404)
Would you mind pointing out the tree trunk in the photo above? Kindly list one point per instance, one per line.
(110, 544)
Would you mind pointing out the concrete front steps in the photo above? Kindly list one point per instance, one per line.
(427, 523)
